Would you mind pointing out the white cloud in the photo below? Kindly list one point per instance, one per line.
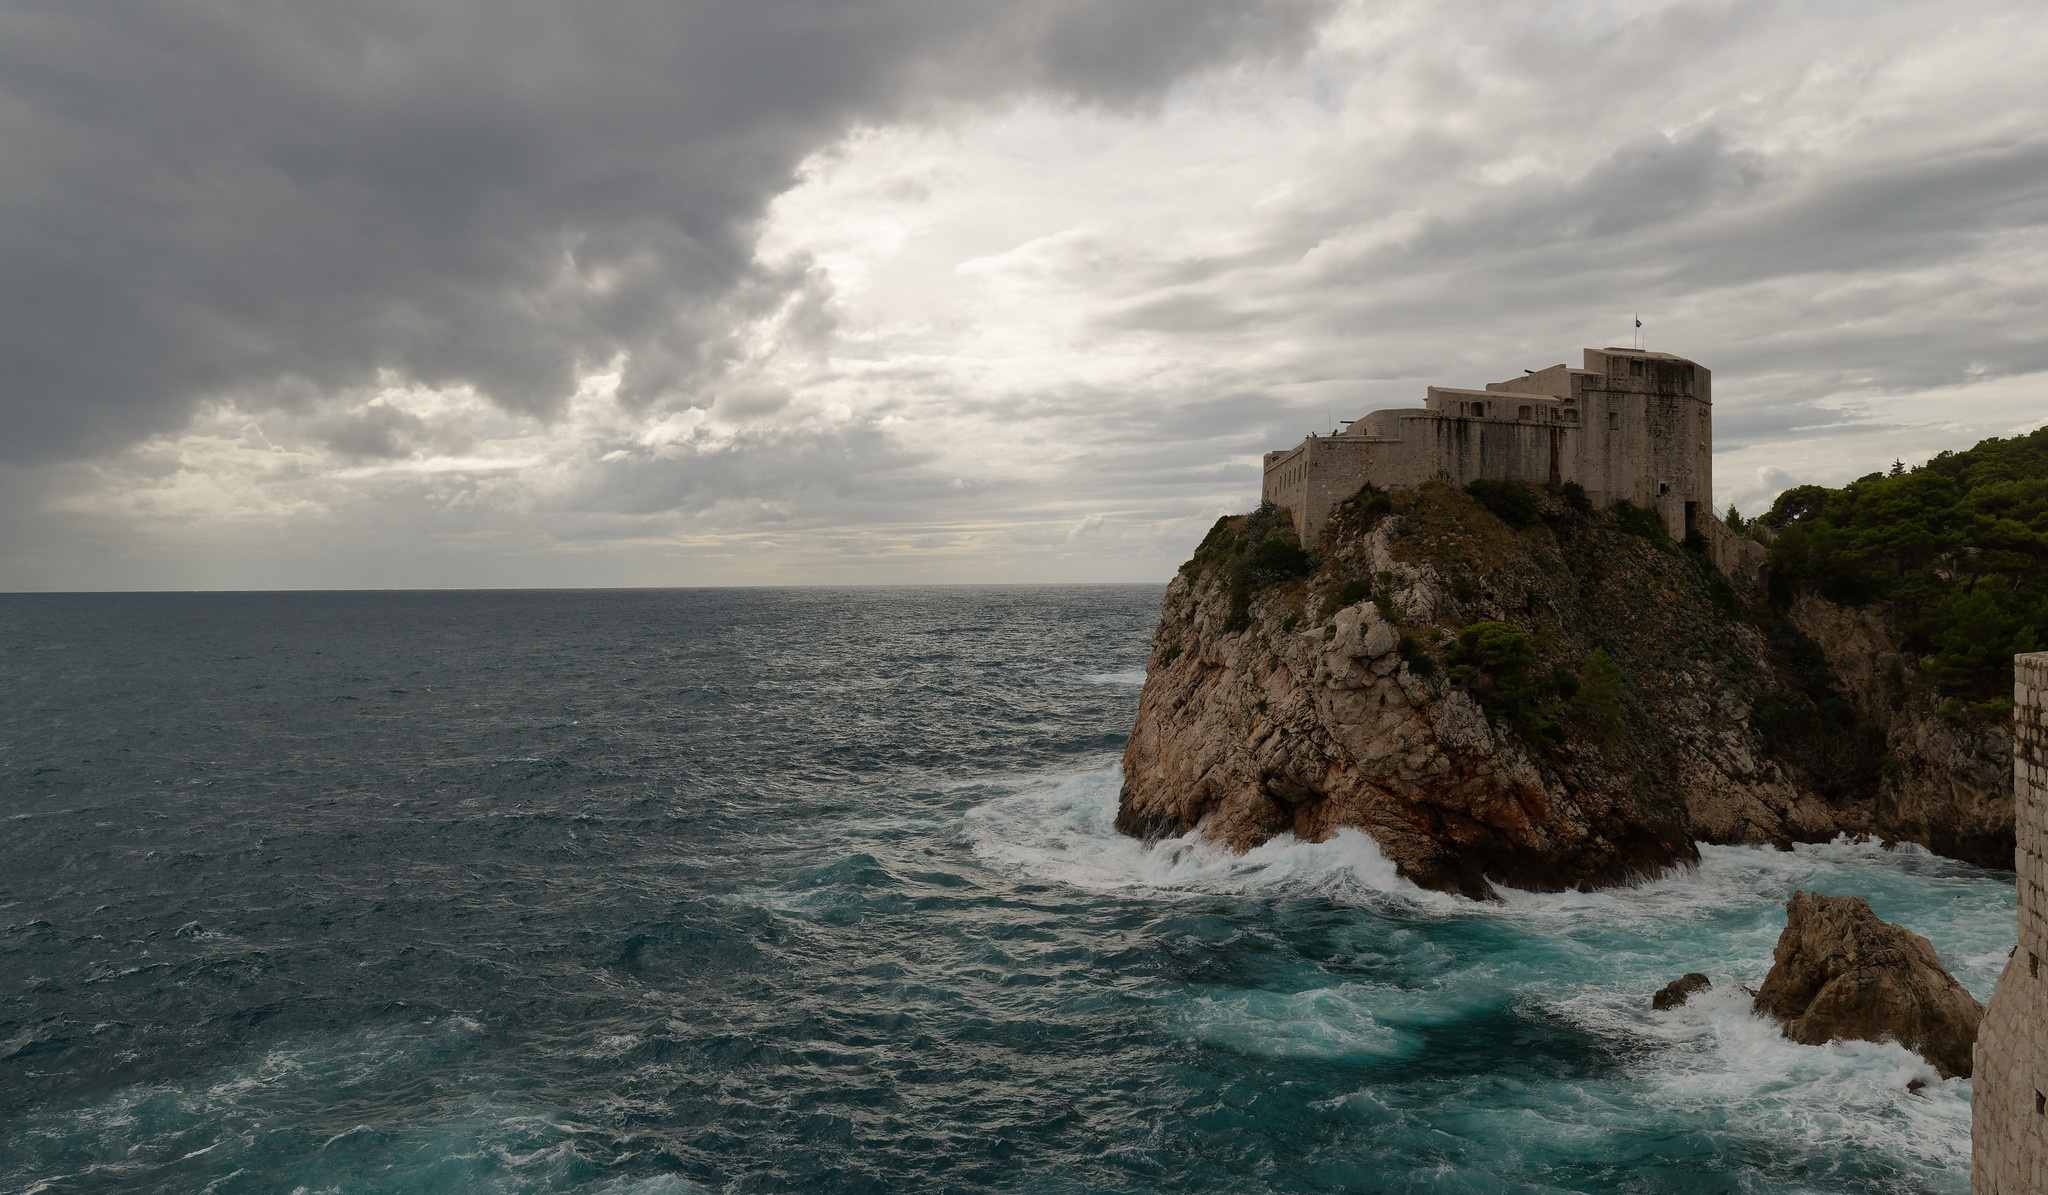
(1048, 341)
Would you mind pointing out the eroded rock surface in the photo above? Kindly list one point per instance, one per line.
(1679, 990)
(1948, 783)
(1312, 705)
(1839, 972)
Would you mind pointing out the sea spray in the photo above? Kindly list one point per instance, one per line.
(1708, 1078)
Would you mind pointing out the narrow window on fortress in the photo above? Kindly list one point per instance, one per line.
(2033, 965)
(1614, 421)
(1635, 367)
(2040, 1103)
(1526, 413)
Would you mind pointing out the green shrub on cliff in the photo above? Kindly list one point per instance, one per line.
(1497, 663)
(1598, 698)
(1278, 559)
(1510, 501)
(1957, 547)
(1641, 520)
(1416, 653)
(1250, 552)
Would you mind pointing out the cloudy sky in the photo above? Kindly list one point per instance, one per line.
(647, 292)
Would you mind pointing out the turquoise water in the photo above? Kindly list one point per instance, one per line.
(816, 890)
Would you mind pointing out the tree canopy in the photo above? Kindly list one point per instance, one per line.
(1958, 547)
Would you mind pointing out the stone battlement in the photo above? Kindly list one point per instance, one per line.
(1628, 425)
(2009, 1092)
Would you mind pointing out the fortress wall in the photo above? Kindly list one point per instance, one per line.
(1739, 557)
(1555, 381)
(1323, 471)
(1629, 425)
(1467, 450)
(2009, 1092)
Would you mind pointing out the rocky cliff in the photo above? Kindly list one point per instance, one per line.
(1946, 782)
(1518, 690)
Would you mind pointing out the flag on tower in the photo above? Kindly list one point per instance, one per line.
(1639, 321)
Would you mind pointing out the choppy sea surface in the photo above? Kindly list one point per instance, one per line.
(774, 890)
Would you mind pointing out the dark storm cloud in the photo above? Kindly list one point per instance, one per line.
(265, 200)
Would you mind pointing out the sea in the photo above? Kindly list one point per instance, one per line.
(731, 890)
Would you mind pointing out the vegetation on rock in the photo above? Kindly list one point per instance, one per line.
(1597, 696)
(1503, 684)
(1251, 552)
(1510, 501)
(1957, 549)
(1495, 662)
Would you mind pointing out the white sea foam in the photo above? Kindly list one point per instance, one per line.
(1123, 676)
(1333, 1023)
(614, 1045)
(1591, 958)
(1062, 830)
(1729, 1070)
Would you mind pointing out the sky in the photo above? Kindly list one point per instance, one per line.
(453, 293)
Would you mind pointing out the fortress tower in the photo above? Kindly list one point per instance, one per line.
(1628, 424)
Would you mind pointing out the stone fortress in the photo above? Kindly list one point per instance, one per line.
(1629, 424)
(1638, 426)
(2009, 1089)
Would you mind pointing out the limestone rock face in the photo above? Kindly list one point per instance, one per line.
(1949, 786)
(1299, 707)
(1249, 735)
(1679, 990)
(1840, 972)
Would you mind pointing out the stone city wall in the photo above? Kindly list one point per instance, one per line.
(2009, 1096)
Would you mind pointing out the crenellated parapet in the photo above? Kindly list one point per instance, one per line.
(2009, 1097)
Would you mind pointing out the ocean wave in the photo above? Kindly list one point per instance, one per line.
(1717, 1078)
(1327, 1024)
(1133, 677)
(1062, 829)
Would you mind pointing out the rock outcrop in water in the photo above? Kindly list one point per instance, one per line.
(1841, 973)
(1527, 692)
(1679, 990)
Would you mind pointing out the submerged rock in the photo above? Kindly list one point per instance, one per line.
(1679, 990)
(1841, 973)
